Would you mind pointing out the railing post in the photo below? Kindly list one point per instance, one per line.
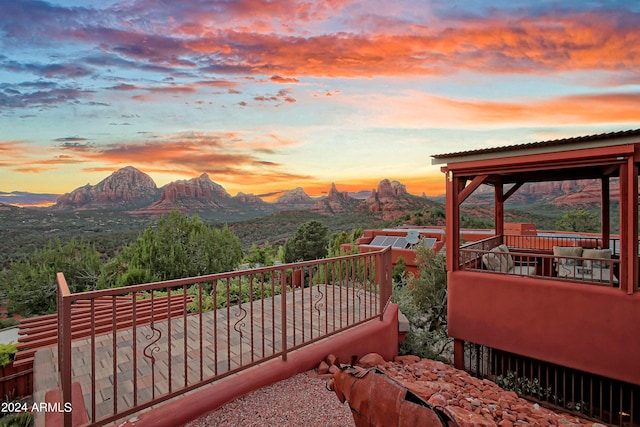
(383, 269)
(64, 348)
(283, 294)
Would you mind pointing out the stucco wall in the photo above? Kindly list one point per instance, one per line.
(586, 327)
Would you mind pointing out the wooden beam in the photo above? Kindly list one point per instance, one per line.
(512, 190)
(475, 183)
(499, 208)
(605, 216)
(452, 220)
(629, 226)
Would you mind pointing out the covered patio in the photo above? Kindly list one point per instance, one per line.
(567, 299)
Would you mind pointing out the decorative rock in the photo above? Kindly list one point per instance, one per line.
(406, 360)
(331, 360)
(465, 418)
(370, 360)
(486, 403)
(323, 368)
(437, 400)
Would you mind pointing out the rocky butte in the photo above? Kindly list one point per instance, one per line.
(127, 187)
(392, 200)
(295, 199)
(336, 202)
(203, 195)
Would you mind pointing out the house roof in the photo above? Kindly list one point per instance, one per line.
(588, 141)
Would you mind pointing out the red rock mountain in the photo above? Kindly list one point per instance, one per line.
(126, 187)
(336, 202)
(392, 200)
(558, 193)
(295, 199)
(202, 195)
(135, 191)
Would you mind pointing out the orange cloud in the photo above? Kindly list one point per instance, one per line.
(533, 45)
(412, 109)
(574, 109)
(225, 156)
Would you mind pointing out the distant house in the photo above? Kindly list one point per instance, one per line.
(558, 314)
(402, 245)
(402, 241)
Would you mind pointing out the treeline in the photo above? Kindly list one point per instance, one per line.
(177, 246)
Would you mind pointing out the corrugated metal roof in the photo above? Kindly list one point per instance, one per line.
(549, 143)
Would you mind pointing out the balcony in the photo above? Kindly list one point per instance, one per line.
(127, 349)
(567, 258)
(561, 299)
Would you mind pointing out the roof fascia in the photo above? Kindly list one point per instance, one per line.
(542, 161)
(480, 155)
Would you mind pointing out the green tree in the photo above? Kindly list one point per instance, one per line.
(30, 284)
(579, 220)
(424, 301)
(399, 269)
(176, 247)
(309, 242)
(338, 239)
(263, 255)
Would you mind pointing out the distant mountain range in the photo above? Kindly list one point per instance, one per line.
(23, 198)
(135, 192)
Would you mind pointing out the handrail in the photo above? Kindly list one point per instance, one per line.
(593, 271)
(176, 353)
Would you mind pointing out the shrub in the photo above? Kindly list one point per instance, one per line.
(30, 284)
(423, 300)
(7, 352)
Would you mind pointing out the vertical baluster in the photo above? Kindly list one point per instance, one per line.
(93, 360)
(283, 320)
(214, 294)
(185, 334)
(201, 331)
(115, 353)
(169, 333)
(134, 325)
(228, 322)
(251, 317)
(262, 316)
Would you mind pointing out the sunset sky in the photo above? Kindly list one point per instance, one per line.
(266, 96)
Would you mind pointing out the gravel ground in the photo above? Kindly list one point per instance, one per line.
(302, 400)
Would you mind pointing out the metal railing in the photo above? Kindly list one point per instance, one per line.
(550, 240)
(468, 251)
(584, 394)
(595, 271)
(228, 322)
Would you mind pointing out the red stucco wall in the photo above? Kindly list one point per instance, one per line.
(586, 327)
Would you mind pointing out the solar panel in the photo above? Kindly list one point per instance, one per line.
(401, 243)
(390, 240)
(377, 241)
(429, 241)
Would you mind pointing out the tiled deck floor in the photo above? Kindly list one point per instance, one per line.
(239, 330)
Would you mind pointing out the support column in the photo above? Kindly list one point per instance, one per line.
(452, 221)
(605, 217)
(458, 354)
(628, 226)
(499, 208)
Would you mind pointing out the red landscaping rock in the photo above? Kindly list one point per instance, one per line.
(406, 360)
(478, 402)
(464, 418)
(370, 360)
(331, 360)
(323, 368)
